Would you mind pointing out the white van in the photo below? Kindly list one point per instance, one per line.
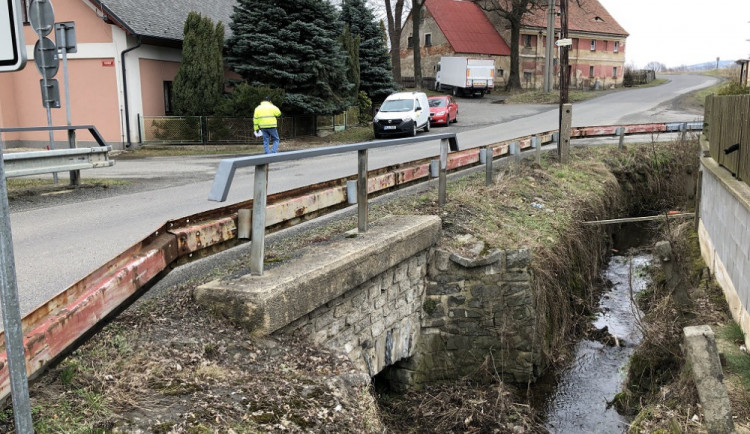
(402, 113)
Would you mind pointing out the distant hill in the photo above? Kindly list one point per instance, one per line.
(710, 65)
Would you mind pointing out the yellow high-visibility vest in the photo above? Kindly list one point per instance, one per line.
(265, 115)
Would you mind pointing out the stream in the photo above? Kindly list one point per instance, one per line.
(578, 396)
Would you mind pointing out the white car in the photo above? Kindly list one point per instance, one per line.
(402, 113)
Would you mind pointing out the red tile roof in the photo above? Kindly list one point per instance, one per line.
(467, 28)
(589, 17)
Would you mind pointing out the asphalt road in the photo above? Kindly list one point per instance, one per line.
(57, 245)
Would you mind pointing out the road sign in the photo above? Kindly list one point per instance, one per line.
(50, 93)
(45, 57)
(12, 46)
(42, 17)
(567, 42)
(65, 36)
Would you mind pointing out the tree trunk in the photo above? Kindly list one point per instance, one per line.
(416, 18)
(514, 79)
(394, 35)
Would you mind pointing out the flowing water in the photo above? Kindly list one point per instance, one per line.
(579, 400)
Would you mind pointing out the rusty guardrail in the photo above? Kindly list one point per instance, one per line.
(63, 322)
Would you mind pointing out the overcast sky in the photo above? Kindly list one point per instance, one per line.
(683, 32)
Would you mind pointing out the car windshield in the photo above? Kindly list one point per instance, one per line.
(437, 103)
(397, 105)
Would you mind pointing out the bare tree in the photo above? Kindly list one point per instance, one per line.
(513, 11)
(394, 11)
(656, 66)
(417, 7)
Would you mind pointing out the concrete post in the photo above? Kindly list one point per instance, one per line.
(536, 143)
(621, 134)
(703, 357)
(258, 240)
(565, 127)
(362, 191)
(443, 181)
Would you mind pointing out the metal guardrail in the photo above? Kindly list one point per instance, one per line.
(58, 160)
(227, 167)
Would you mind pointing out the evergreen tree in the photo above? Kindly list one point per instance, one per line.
(292, 45)
(376, 77)
(351, 47)
(198, 86)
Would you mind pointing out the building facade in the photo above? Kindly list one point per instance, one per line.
(596, 58)
(128, 53)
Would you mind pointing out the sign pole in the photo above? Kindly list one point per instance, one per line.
(19, 384)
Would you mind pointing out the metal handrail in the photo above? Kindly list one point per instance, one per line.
(227, 167)
(71, 160)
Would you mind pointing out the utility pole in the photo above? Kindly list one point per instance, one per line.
(548, 53)
(563, 142)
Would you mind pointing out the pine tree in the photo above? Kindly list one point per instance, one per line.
(376, 77)
(351, 47)
(292, 45)
(198, 86)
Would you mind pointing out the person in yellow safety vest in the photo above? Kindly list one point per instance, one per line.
(264, 119)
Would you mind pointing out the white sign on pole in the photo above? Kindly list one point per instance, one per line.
(567, 42)
(12, 46)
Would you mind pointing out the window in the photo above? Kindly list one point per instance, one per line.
(614, 72)
(167, 97)
(593, 45)
(527, 41)
(527, 76)
(591, 71)
(500, 72)
(617, 47)
(427, 40)
(410, 42)
(606, 45)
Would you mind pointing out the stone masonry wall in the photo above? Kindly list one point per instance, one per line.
(375, 324)
(476, 311)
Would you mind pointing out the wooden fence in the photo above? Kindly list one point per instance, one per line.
(727, 127)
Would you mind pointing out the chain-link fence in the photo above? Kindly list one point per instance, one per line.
(221, 130)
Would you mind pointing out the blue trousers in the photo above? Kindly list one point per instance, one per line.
(270, 133)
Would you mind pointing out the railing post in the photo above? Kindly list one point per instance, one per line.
(75, 175)
(536, 143)
(488, 154)
(443, 171)
(258, 235)
(362, 191)
(19, 385)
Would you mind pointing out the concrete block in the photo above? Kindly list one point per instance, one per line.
(700, 351)
(284, 293)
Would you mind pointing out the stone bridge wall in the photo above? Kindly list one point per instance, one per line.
(390, 298)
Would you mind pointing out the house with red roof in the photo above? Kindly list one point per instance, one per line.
(462, 28)
(454, 28)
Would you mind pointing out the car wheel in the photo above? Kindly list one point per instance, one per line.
(455, 91)
(427, 126)
(455, 119)
(414, 129)
(437, 87)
